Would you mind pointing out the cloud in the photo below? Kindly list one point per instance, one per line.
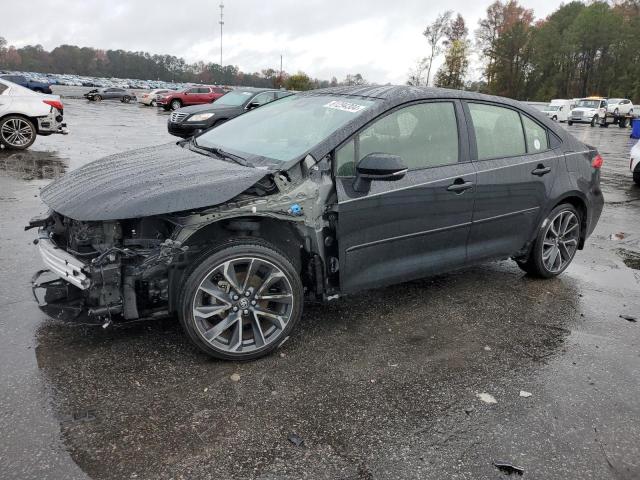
(325, 38)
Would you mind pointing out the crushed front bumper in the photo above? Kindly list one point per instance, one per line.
(64, 265)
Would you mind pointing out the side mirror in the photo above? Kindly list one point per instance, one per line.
(381, 167)
(253, 105)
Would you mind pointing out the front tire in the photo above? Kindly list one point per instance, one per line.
(153, 103)
(175, 104)
(636, 176)
(569, 122)
(241, 300)
(594, 120)
(17, 133)
(126, 99)
(556, 243)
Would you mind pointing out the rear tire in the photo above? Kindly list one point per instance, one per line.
(153, 103)
(97, 98)
(556, 243)
(249, 295)
(126, 99)
(17, 133)
(569, 122)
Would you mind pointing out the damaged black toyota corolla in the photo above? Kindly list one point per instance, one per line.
(312, 196)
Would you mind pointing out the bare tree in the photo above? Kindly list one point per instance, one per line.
(416, 74)
(434, 34)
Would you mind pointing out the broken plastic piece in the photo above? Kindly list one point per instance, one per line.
(525, 394)
(509, 468)
(629, 318)
(486, 398)
(296, 440)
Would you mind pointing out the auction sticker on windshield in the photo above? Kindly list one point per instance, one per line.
(345, 106)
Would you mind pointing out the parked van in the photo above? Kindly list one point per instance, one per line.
(558, 110)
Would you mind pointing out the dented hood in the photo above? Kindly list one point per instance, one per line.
(148, 181)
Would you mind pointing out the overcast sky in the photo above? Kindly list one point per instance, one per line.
(382, 39)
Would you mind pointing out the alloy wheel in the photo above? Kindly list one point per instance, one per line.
(560, 241)
(17, 132)
(243, 305)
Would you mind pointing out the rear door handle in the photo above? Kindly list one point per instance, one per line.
(459, 186)
(541, 170)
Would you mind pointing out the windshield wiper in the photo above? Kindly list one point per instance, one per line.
(218, 152)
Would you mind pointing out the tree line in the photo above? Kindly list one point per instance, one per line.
(92, 62)
(578, 50)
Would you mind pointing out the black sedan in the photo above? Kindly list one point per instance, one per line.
(319, 194)
(189, 121)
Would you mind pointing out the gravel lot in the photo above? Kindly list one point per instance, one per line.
(382, 385)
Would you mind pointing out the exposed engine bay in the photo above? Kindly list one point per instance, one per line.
(106, 271)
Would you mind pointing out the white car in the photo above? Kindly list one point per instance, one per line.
(619, 106)
(634, 164)
(587, 110)
(149, 98)
(25, 114)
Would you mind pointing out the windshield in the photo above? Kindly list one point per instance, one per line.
(552, 108)
(234, 98)
(284, 130)
(588, 103)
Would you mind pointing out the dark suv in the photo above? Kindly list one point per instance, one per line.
(189, 121)
(318, 194)
(36, 86)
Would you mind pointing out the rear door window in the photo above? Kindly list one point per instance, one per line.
(498, 131)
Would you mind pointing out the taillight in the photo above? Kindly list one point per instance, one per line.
(54, 103)
(597, 162)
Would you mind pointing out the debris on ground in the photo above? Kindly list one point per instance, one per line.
(629, 318)
(297, 440)
(469, 410)
(525, 394)
(486, 397)
(235, 377)
(487, 348)
(617, 236)
(508, 468)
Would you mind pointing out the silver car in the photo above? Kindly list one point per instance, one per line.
(25, 114)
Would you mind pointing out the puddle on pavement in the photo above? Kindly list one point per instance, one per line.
(630, 258)
(32, 164)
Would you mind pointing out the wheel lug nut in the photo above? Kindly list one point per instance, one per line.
(235, 309)
(236, 297)
(247, 293)
(245, 312)
(253, 302)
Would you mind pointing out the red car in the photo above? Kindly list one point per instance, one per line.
(196, 95)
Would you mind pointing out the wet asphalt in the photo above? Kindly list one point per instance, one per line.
(382, 385)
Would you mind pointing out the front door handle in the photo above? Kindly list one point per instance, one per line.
(541, 170)
(459, 186)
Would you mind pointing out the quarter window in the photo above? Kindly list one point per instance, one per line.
(536, 136)
(498, 131)
(3, 88)
(423, 136)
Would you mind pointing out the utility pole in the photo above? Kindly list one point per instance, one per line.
(221, 22)
(280, 71)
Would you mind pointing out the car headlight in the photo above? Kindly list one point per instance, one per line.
(200, 117)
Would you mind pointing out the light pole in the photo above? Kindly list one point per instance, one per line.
(221, 22)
